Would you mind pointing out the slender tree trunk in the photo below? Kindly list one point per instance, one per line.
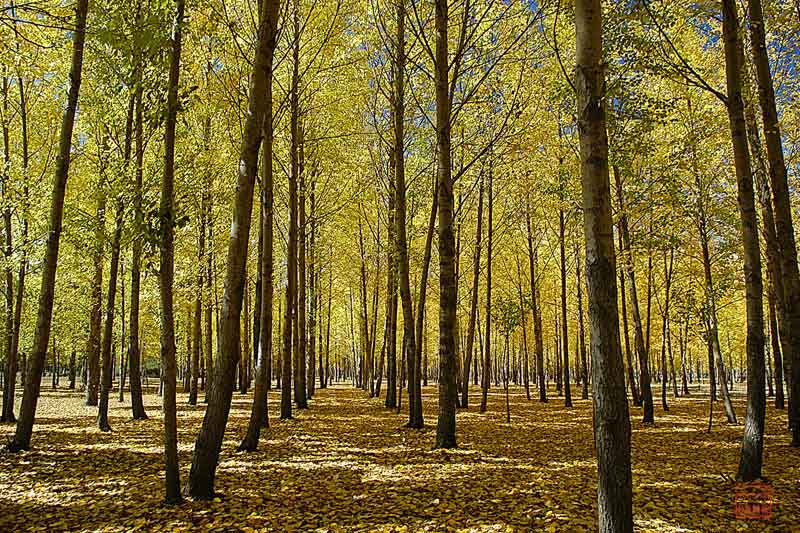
(564, 330)
(30, 397)
(209, 441)
(259, 415)
(300, 392)
(641, 350)
(108, 333)
(713, 331)
(753, 439)
(487, 365)
(134, 356)
(581, 333)
(390, 339)
(473, 308)
(209, 272)
(196, 324)
(776, 351)
(290, 311)
(10, 381)
(538, 335)
(96, 302)
(665, 326)
(167, 267)
(637, 400)
(448, 394)
(611, 421)
(783, 213)
(312, 300)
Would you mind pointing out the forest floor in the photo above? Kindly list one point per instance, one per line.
(347, 464)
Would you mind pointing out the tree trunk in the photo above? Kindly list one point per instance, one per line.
(167, 267)
(581, 331)
(209, 441)
(134, 356)
(753, 439)
(390, 337)
(564, 330)
(312, 299)
(290, 311)
(638, 338)
(538, 335)
(665, 326)
(637, 400)
(783, 213)
(300, 392)
(487, 364)
(259, 414)
(473, 308)
(446, 425)
(96, 298)
(108, 333)
(612, 422)
(44, 316)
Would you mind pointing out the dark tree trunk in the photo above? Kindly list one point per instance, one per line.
(312, 299)
(209, 441)
(783, 214)
(300, 392)
(448, 394)
(259, 415)
(44, 316)
(639, 343)
(665, 327)
(108, 333)
(290, 309)
(612, 422)
(134, 356)
(487, 364)
(637, 400)
(390, 337)
(167, 268)
(473, 308)
(581, 331)
(96, 299)
(753, 439)
(564, 330)
(538, 335)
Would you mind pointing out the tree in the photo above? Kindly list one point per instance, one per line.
(259, 416)
(209, 440)
(167, 265)
(782, 206)
(22, 437)
(612, 423)
(753, 439)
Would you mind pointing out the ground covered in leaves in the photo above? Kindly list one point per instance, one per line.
(347, 464)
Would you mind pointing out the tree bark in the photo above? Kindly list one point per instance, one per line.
(783, 213)
(487, 365)
(538, 335)
(446, 425)
(209, 441)
(30, 396)
(564, 330)
(753, 439)
(108, 333)
(473, 308)
(638, 338)
(612, 422)
(290, 308)
(167, 267)
(259, 415)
